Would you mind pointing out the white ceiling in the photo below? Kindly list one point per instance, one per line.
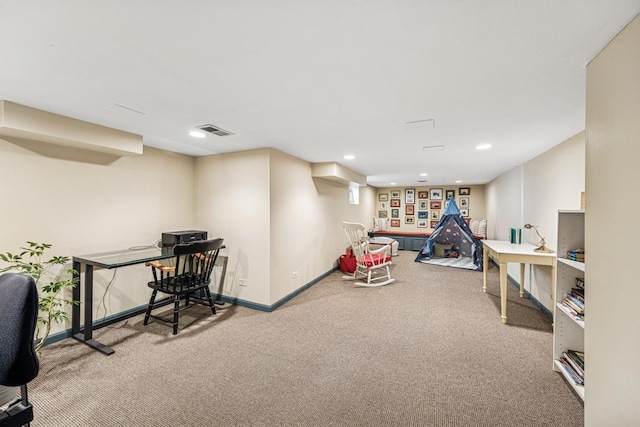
(319, 79)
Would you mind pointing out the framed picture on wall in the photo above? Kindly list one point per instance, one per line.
(409, 195)
(423, 205)
(423, 194)
(464, 191)
(383, 205)
(409, 219)
(435, 205)
(436, 194)
(382, 214)
(383, 197)
(395, 194)
(395, 213)
(464, 202)
(435, 214)
(433, 224)
(395, 223)
(449, 194)
(423, 214)
(464, 212)
(422, 223)
(395, 203)
(409, 210)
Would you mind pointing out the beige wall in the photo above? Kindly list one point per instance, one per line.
(306, 234)
(233, 202)
(477, 205)
(84, 208)
(612, 328)
(533, 193)
(276, 220)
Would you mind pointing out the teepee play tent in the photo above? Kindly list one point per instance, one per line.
(452, 243)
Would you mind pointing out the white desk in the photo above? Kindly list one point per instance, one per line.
(504, 252)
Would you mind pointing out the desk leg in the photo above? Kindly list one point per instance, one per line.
(86, 336)
(521, 280)
(485, 267)
(554, 266)
(75, 308)
(503, 291)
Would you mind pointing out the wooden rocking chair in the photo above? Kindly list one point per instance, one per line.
(372, 266)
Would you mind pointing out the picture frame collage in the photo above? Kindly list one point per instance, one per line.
(422, 208)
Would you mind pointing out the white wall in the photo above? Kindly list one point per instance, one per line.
(612, 342)
(533, 193)
(82, 208)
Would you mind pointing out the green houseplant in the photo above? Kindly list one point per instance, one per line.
(32, 261)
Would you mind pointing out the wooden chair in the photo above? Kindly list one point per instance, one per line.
(18, 359)
(372, 266)
(186, 280)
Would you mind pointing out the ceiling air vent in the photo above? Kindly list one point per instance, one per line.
(214, 130)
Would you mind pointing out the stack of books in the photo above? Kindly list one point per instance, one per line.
(574, 301)
(573, 363)
(576, 255)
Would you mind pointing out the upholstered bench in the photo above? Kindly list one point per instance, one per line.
(378, 242)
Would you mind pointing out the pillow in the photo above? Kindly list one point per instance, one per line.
(380, 224)
(439, 248)
(478, 227)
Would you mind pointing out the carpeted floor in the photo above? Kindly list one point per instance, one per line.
(426, 350)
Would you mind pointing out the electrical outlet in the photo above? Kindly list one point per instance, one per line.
(294, 275)
(242, 282)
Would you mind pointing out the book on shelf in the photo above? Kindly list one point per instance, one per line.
(578, 294)
(575, 300)
(576, 255)
(578, 356)
(579, 311)
(574, 361)
(572, 368)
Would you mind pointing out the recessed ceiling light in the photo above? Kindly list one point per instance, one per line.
(458, 182)
(483, 146)
(197, 134)
(392, 183)
(349, 157)
(423, 174)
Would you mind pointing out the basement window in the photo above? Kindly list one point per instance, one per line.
(354, 193)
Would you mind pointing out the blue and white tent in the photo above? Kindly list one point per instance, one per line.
(452, 243)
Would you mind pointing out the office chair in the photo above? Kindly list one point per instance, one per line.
(185, 280)
(18, 359)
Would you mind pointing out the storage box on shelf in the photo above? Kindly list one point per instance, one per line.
(568, 334)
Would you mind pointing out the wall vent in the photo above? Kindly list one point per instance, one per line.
(215, 130)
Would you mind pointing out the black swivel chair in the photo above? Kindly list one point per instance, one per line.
(18, 359)
(186, 280)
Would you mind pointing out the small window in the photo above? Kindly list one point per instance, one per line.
(354, 193)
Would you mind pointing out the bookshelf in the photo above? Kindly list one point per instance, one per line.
(568, 333)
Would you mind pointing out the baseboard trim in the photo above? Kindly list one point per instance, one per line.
(59, 336)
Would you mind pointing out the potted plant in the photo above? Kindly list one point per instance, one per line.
(31, 262)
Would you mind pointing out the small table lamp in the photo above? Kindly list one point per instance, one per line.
(542, 247)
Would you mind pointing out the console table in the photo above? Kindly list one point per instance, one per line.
(504, 252)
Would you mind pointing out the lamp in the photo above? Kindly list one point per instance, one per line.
(542, 247)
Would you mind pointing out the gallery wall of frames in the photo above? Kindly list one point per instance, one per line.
(420, 208)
